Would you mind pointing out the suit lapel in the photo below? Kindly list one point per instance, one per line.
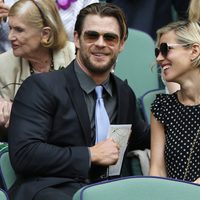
(122, 99)
(77, 97)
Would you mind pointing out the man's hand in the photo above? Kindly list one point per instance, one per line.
(105, 153)
(4, 9)
(5, 109)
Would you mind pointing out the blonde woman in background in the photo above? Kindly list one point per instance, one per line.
(68, 11)
(39, 44)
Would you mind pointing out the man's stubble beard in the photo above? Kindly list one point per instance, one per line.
(94, 68)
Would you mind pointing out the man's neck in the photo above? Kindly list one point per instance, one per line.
(98, 78)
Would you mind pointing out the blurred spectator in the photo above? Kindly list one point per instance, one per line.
(68, 15)
(149, 15)
(4, 8)
(194, 14)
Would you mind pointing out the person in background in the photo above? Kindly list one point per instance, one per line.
(150, 15)
(68, 10)
(4, 29)
(193, 15)
(194, 7)
(39, 44)
(175, 127)
(53, 140)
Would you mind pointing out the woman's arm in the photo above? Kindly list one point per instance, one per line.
(157, 163)
(197, 181)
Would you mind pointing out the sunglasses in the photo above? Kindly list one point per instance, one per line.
(92, 36)
(164, 48)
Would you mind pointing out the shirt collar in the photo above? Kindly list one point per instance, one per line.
(89, 84)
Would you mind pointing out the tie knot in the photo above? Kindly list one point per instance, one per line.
(99, 91)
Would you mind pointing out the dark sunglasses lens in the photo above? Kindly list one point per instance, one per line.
(91, 36)
(157, 51)
(110, 38)
(164, 49)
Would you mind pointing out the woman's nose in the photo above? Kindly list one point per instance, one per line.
(11, 35)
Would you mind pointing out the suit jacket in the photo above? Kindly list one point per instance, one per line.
(50, 131)
(14, 70)
(149, 15)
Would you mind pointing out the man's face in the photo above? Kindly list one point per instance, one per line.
(99, 44)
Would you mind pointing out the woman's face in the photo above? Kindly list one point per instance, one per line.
(177, 62)
(24, 38)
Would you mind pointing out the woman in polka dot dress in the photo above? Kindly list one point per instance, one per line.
(175, 118)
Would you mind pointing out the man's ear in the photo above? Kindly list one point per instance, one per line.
(46, 33)
(76, 40)
(122, 44)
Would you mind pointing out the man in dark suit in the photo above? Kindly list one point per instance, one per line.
(52, 127)
(149, 15)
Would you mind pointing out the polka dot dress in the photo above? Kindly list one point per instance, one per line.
(181, 126)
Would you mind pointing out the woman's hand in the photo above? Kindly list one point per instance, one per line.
(197, 181)
(5, 109)
(4, 9)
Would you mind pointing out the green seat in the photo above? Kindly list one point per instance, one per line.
(139, 188)
(146, 100)
(7, 173)
(3, 195)
(135, 62)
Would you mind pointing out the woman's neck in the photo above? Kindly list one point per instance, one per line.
(189, 94)
(41, 62)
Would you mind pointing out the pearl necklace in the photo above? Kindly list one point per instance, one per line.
(32, 71)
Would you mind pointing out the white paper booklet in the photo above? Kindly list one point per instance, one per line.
(120, 134)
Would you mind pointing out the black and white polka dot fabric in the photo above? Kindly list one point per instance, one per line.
(181, 126)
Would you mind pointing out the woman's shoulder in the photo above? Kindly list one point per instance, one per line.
(165, 99)
(164, 96)
(63, 57)
(8, 60)
(7, 54)
(69, 48)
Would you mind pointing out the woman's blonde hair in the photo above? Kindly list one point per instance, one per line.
(40, 14)
(187, 33)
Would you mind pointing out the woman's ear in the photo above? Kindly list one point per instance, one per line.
(46, 33)
(195, 51)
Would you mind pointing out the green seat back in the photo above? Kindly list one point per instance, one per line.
(8, 175)
(3, 195)
(140, 188)
(135, 62)
(146, 100)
